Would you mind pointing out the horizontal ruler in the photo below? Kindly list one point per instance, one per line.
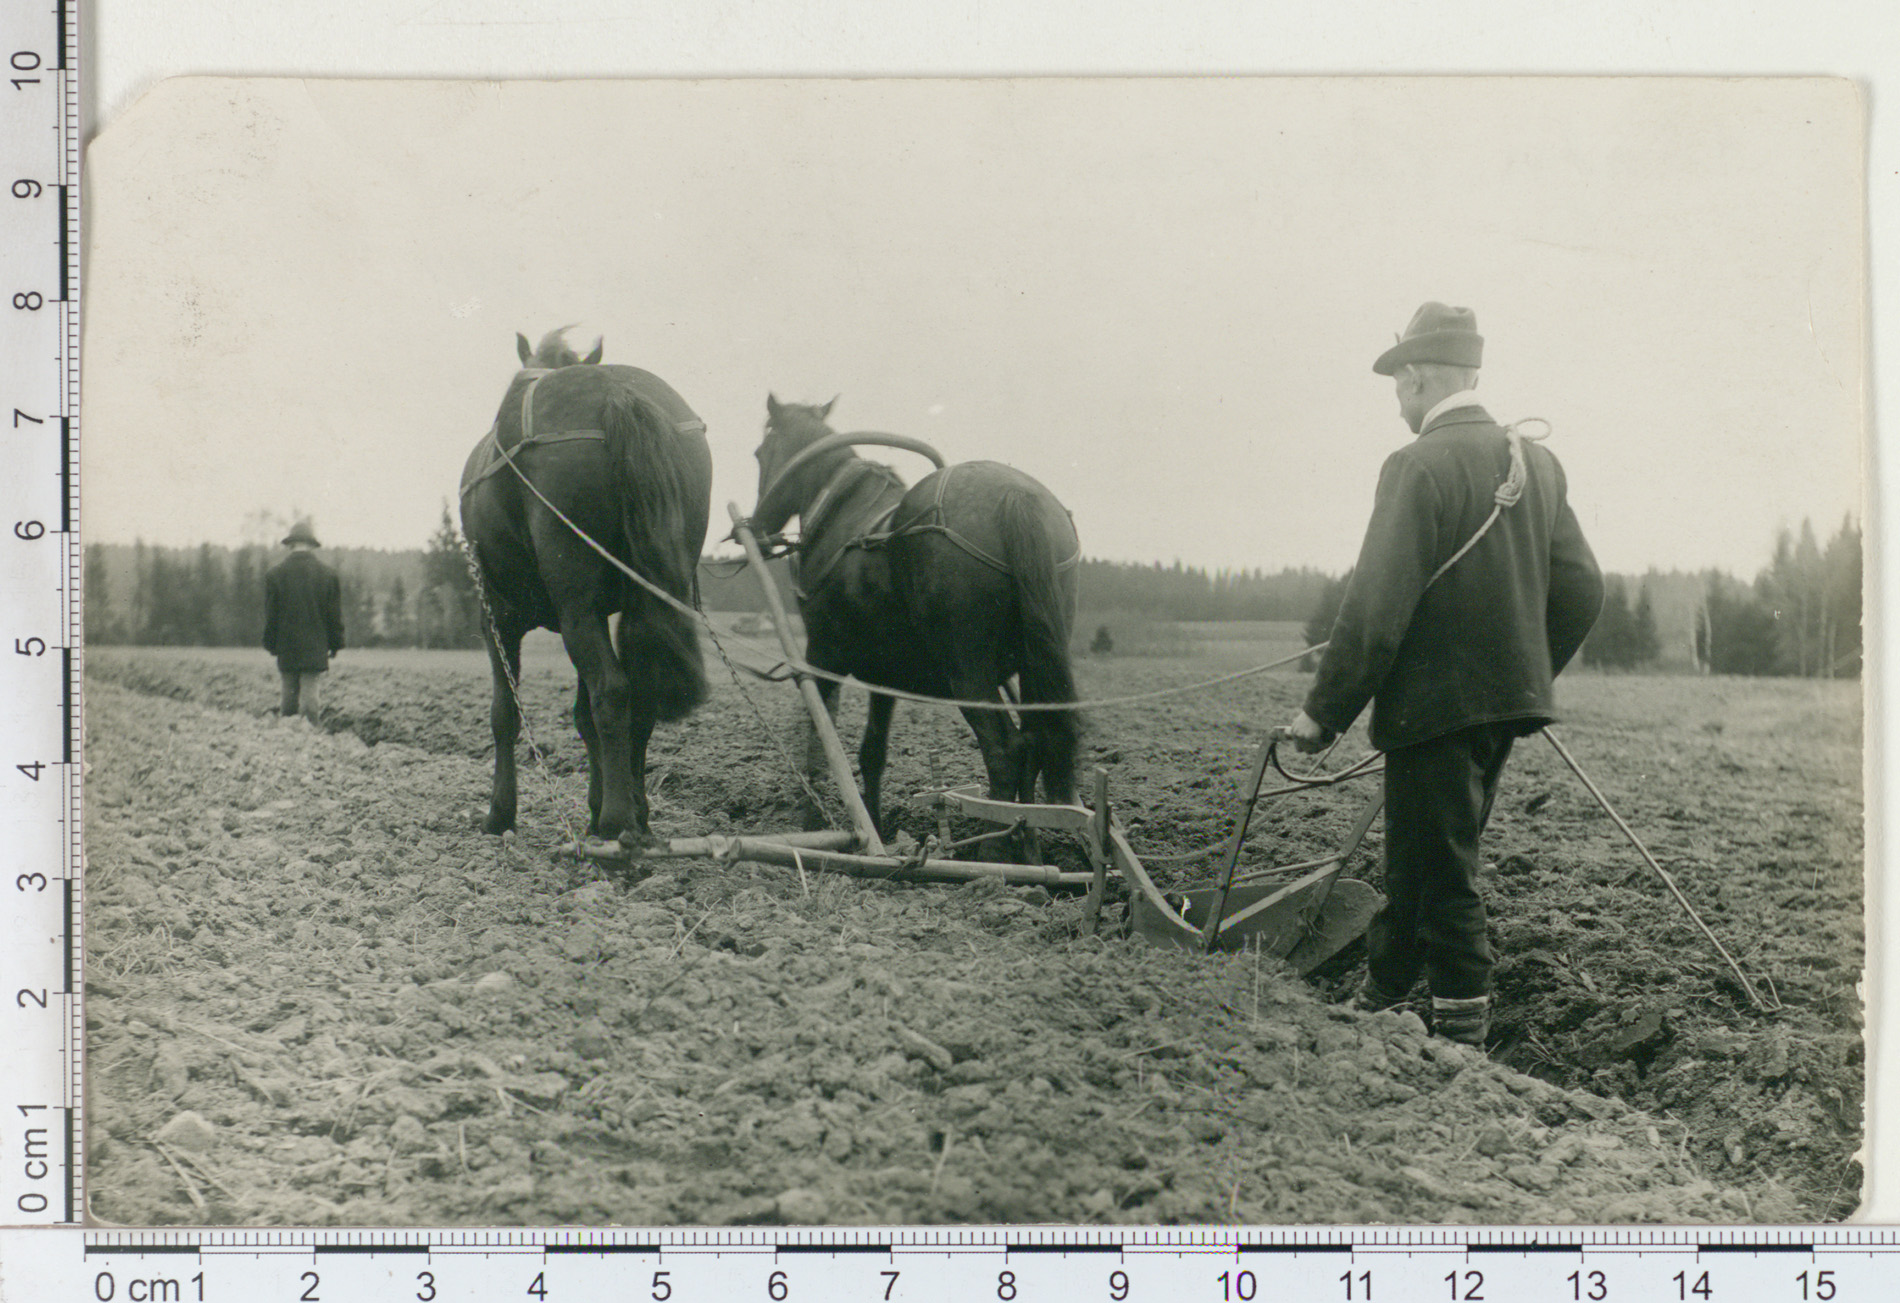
(1471, 1265)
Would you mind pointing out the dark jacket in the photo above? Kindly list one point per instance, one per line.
(303, 614)
(1482, 644)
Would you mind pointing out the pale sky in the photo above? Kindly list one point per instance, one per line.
(1162, 298)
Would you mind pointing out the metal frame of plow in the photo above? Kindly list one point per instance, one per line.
(1102, 837)
(1305, 921)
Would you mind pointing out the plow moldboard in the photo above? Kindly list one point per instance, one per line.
(1303, 923)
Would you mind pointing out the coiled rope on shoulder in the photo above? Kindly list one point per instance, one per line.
(1509, 491)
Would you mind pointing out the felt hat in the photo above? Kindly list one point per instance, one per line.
(1436, 334)
(301, 533)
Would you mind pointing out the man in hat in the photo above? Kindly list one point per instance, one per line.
(303, 621)
(1473, 588)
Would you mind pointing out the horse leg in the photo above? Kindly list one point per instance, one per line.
(642, 715)
(813, 813)
(584, 722)
(610, 760)
(999, 741)
(504, 720)
(1028, 759)
(872, 752)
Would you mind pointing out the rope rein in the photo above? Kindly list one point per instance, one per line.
(802, 666)
(1508, 494)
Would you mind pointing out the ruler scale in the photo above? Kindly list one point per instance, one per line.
(41, 573)
(915, 1265)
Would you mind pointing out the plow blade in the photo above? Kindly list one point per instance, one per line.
(1305, 922)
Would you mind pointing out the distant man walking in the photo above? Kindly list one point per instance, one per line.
(303, 621)
(1473, 588)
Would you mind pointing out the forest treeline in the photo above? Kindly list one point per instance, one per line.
(1801, 615)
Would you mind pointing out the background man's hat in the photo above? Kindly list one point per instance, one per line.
(301, 533)
(1437, 334)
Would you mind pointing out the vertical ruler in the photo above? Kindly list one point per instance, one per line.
(40, 622)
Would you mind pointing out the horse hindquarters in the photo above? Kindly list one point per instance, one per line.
(1045, 599)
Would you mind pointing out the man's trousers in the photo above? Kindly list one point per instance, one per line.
(302, 694)
(1438, 798)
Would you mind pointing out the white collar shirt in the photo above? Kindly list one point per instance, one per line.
(1463, 398)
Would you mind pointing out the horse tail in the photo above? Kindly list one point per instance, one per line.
(659, 644)
(1047, 613)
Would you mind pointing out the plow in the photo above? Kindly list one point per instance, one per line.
(1304, 913)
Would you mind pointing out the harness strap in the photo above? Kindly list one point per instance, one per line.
(812, 518)
(845, 478)
(1509, 492)
(501, 455)
(852, 469)
(527, 407)
(934, 523)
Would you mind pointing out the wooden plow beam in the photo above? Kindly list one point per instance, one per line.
(861, 824)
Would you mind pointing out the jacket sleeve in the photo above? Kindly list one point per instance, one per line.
(333, 611)
(1576, 589)
(1393, 569)
(272, 603)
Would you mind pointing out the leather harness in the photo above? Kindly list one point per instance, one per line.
(876, 532)
(489, 458)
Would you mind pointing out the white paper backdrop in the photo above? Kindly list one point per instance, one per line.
(128, 45)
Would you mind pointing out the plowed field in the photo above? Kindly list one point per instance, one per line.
(316, 994)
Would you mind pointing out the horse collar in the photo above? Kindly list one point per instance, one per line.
(812, 517)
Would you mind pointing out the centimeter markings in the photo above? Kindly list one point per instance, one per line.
(41, 578)
(1117, 1265)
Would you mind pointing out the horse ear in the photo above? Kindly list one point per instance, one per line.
(522, 347)
(593, 358)
(771, 404)
(826, 409)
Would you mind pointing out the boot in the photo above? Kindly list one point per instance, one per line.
(1373, 997)
(1464, 1021)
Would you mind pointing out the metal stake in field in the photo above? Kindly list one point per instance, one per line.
(868, 840)
(1770, 1005)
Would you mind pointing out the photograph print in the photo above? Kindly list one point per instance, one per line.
(1232, 650)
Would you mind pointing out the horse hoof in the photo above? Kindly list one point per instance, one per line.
(494, 825)
(637, 843)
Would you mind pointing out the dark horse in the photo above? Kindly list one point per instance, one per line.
(625, 459)
(950, 588)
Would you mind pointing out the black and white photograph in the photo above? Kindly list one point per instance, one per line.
(1161, 651)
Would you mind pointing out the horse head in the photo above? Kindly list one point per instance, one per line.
(801, 453)
(553, 351)
(790, 428)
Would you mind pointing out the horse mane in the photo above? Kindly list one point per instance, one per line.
(553, 351)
